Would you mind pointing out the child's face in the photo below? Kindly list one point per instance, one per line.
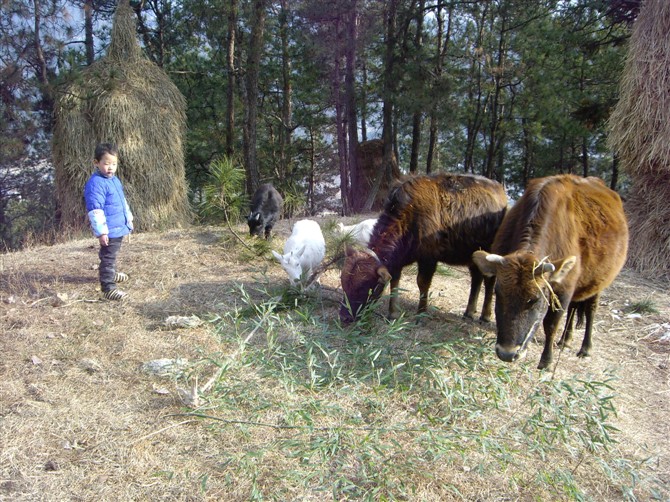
(107, 165)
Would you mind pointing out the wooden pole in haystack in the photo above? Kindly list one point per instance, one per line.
(640, 134)
(126, 99)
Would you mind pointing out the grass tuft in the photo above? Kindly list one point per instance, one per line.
(373, 410)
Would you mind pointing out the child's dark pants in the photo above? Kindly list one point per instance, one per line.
(107, 270)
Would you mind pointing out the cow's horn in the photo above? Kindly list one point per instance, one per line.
(495, 258)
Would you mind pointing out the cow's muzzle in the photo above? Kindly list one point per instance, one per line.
(510, 355)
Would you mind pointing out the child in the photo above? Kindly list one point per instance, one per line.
(110, 217)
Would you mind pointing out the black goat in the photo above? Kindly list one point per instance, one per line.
(266, 206)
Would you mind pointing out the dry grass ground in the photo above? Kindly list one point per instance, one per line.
(293, 411)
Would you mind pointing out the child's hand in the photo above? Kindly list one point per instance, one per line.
(104, 240)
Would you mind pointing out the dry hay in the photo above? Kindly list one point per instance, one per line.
(640, 134)
(640, 123)
(647, 208)
(82, 421)
(126, 99)
(370, 158)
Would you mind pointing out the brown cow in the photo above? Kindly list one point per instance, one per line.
(560, 245)
(426, 219)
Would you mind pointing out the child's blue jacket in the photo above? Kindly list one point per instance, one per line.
(107, 208)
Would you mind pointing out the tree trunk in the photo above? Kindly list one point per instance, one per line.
(615, 172)
(88, 32)
(494, 121)
(350, 98)
(417, 115)
(42, 74)
(388, 94)
(442, 43)
(585, 157)
(364, 101)
(475, 98)
(527, 153)
(230, 67)
(346, 186)
(286, 111)
(312, 172)
(251, 109)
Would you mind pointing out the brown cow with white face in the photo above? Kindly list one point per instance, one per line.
(557, 248)
(426, 219)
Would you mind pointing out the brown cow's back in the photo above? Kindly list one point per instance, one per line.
(557, 248)
(445, 216)
(568, 215)
(426, 219)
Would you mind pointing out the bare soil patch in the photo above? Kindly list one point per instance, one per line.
(81, 420)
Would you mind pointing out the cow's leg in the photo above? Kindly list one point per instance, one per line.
(393, 307)
(423, 280)
(590, 306)
(487, 307)
(568, 329)
(550, 324)
(476, 279)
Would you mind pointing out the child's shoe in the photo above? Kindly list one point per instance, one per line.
(120, 277)
(115, 294)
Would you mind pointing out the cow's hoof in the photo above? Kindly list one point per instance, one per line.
(543, 365)
(583, 353)
(561, 344)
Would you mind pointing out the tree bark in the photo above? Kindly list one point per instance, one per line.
(88, 32)
(350, 98)
(340, 119)
(615, 172)
(42, 73)
(286, 111)
(475, 98)
(388, 93)
(417, 115)
(251, 110)
(442, 43)
(232, 78)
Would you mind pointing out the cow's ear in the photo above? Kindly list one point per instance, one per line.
(563, 268)
(349, 250)
(487, 263)
(257, 217)
(279, 257)
(383, 274)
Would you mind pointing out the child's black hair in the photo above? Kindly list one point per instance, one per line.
(104, 148)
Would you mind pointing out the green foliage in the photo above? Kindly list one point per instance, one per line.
(525, 86)
(372, 411)
(295, 200)
(27, 207)
(645, 306)
(223, 195)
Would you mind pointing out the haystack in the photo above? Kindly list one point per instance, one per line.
(370, 162)
(640, 134)
(126, 99)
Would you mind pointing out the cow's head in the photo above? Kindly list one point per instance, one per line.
(524, 286)
(255, 222)
(363, 280)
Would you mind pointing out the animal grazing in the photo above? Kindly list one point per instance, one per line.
(560, 245)
(303, 251)
(426, 219)
(266, 206)
(361, 232)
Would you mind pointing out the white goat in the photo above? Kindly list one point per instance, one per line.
(303, 252)
(361, 232)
